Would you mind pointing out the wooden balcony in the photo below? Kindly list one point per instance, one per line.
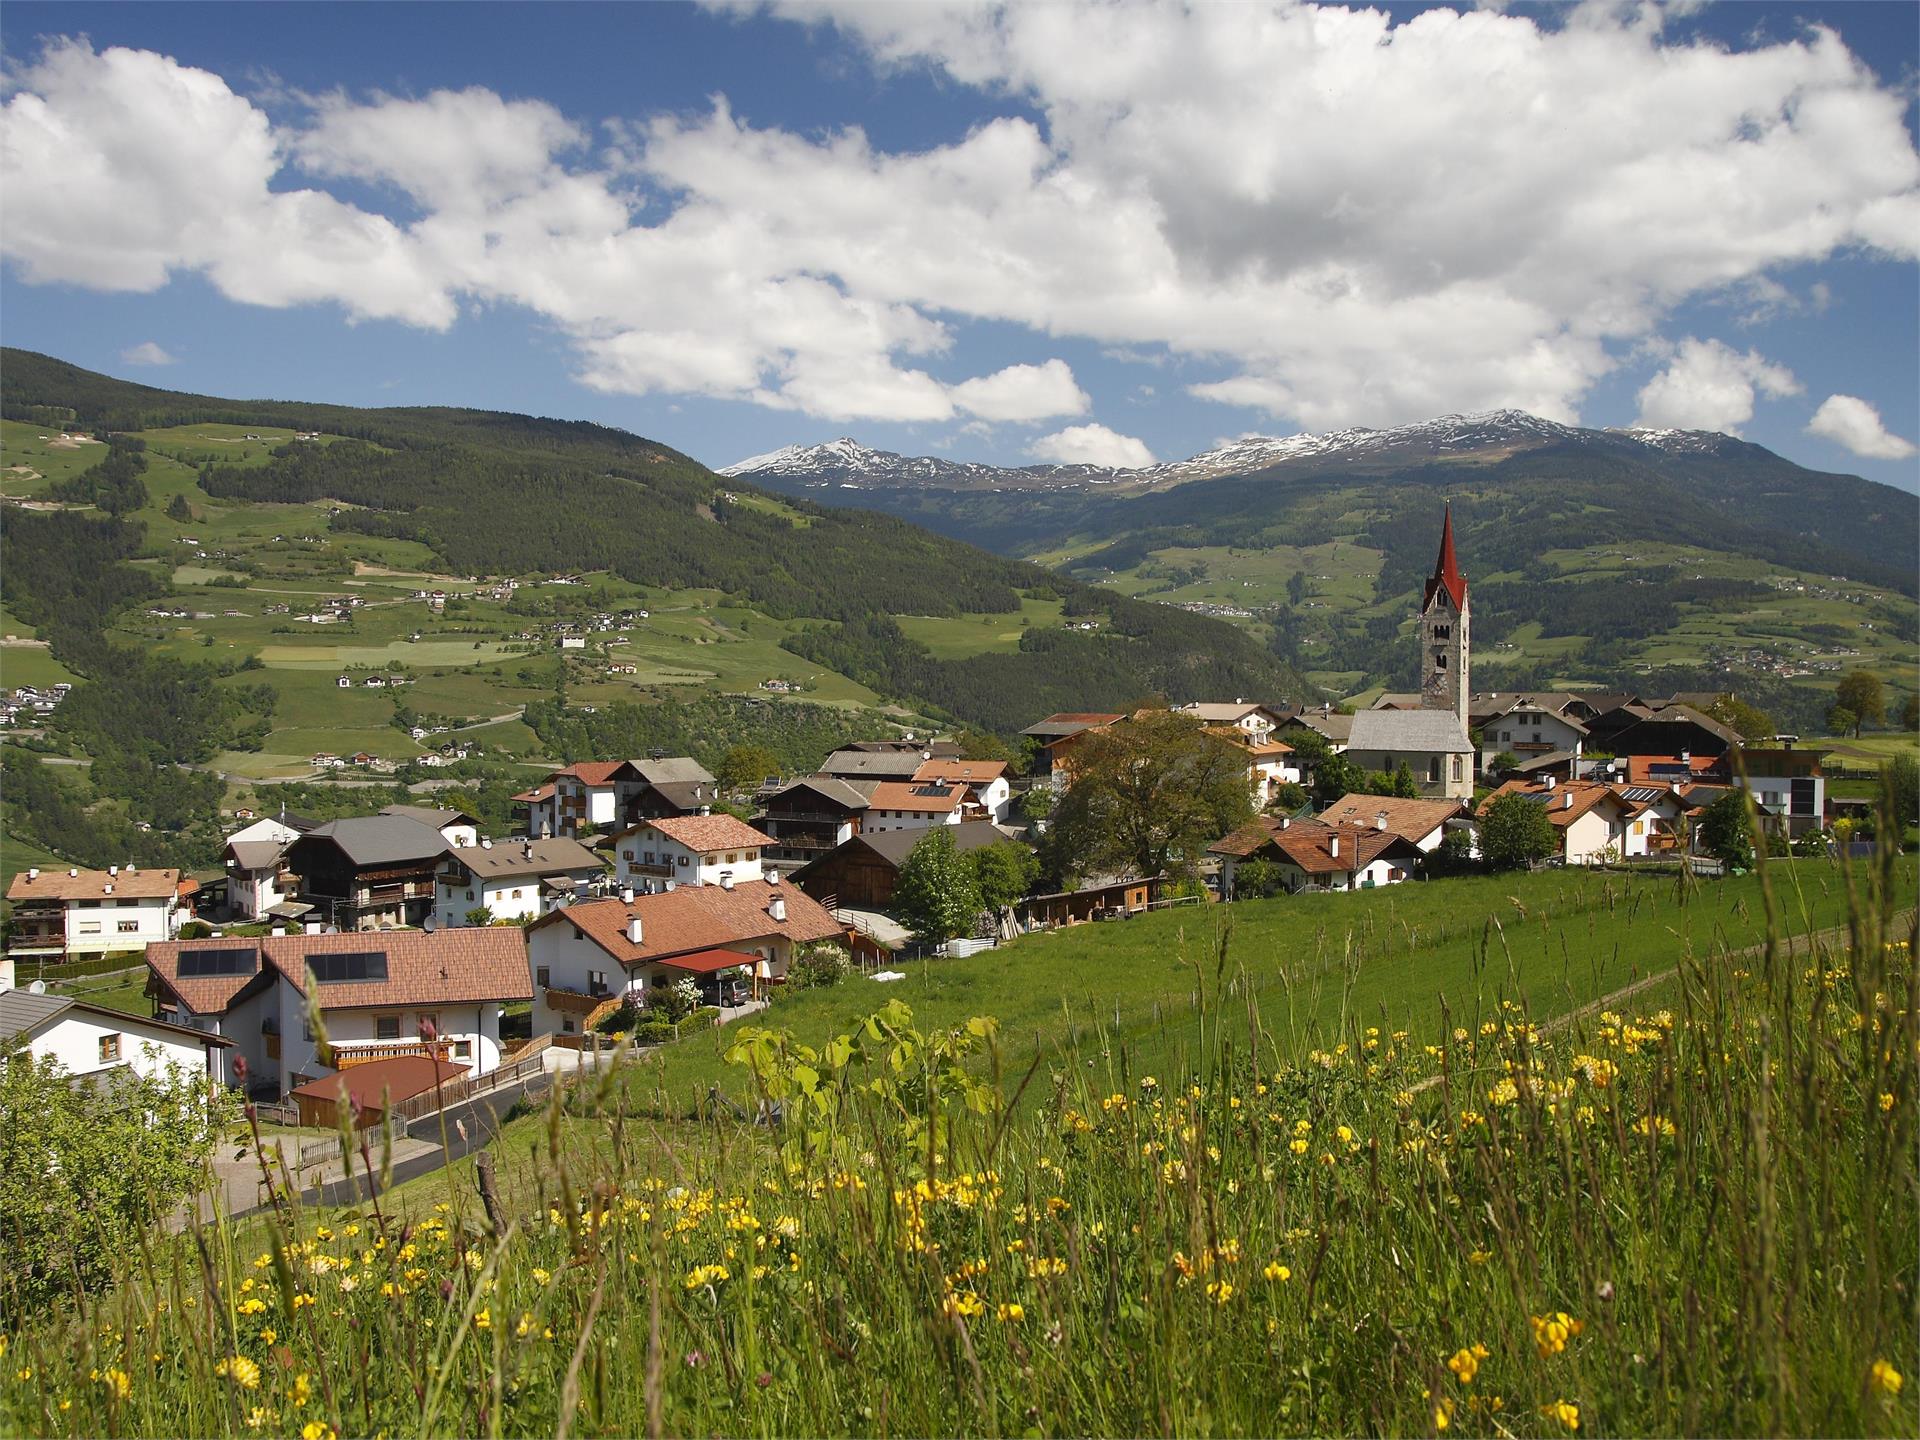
(346, 1056)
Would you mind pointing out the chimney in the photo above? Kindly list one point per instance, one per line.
(106, 889)
(526, 849)
(72, 873)
(113, 869)
(779, 909)
(1686, 759)
(1547, 782)
(1567, 803)
(279, 930)
(33, 873)
(726, 880)
(312, 927)
(1333, 845)
(706, 810)
(636, 931)
(626, 895)
(773, 877)
(546, 829)
(1285, 821)
(670, 885)
(485, 844)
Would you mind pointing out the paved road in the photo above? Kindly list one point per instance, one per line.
(482, 1117)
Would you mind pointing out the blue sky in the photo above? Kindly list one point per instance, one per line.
(1069, 231)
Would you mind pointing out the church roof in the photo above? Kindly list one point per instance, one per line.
(1446, 571)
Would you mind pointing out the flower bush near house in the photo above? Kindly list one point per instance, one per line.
(1691, 1214)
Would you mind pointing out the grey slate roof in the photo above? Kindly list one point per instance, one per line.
(672, 769)
(830, 787)
(894, 846)
(428, 815)
(687, 794)
(256, 854)
(881, 765)
(379, 839)
(1414, 731)
(1334, 727)
(22, 1012)
(558, 856)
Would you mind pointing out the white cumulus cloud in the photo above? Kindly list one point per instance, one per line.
(147, 352)
(1218, 183)
(1853, 424)
(1711, 386)
(1091, 445)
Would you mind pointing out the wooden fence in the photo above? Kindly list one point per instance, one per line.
(445, 1097)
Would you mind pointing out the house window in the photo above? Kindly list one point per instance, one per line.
(626, 854)
(683, 862)
(386, 1027)
(517, 893)
(596, 982)
(1439, 659)
(1433, 771)
(89, 927)
(543, 977)
(109, 1048)
(566, 1025)
(1456, 767)
(129, 927)
(462, 1050)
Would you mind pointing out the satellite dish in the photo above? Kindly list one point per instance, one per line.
(38, 987)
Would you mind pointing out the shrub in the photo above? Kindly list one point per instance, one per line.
(1258, 880)
(819, 965)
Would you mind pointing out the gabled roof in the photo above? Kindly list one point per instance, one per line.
(256, 854)
(528, 857)
(424, 969)
(707, 832)
(1446, 571)
(595, 774)
(672, 770)
(23, 1013)
(1586, 795)
(1410, 819)
(1308, 845)
(537, 794)
(430, 815)
(377, 839)
(1413, 731)
(965, 772)
(696, 917)
(76, 884)
(874, 764)
(930, 798)
(893, 846)
(1221, 712)
(828, 787)
(1070, 722)
(1329, 723)
(396, 1078)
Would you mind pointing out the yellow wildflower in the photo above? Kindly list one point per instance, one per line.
(318, 1430)
(1567, 1414)
(1465, 1362)
(240, 1370)
(483, 1319)
(1009, 1312)
(1551, 1333)
(1276, 1272)
(1886, 1379)
(302, 1389)
(119, 1384)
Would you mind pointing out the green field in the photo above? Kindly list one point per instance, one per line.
(31, 665)
(954, 637)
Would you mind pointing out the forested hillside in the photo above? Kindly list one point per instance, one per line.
(512, 495)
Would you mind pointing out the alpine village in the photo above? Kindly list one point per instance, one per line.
(1397, 928)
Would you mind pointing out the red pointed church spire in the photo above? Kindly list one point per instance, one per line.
(1446, 571)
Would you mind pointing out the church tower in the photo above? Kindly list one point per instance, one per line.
(1444, 683)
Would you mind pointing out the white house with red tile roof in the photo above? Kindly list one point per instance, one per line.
(1593, 822)
(986, 780)
(674, 850)
(584, 954)
(74, 913)
(918, 805)
(1313, 856)
(374, 991)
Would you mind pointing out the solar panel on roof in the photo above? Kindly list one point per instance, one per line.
(1640, 794)
(199, 964)
(344, 966)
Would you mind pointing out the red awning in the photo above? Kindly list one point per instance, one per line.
(708, 962)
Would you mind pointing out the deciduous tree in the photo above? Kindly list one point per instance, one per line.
(1149, 794)
(937, 895)
(1863, 692)
(1516, 832)
(1726, 830)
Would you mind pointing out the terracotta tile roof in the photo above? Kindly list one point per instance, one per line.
(694, 918)
(1247, 839)
(539, 792)
(593, 772)
(710, 962)
(424, 969)
(92, 885)
(930, 798)
(709, 832)
(400, 1077)
(1410, 819)
(966, 772)
(1586, 794)
(1640, 768)
(1070, 722)
(1235, 735)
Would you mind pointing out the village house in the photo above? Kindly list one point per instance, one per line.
(863, 871)
(1314, 856)
(1056, 736)
(625, 948)
(255, 859)
(1528, 726)
(986, 781)
(1256, 722)
(368, 872)
(1788, 786)
(917, 805)
(809, 817)
(1593, 823)
(90, 1041)
(514, 880)
(1329, 724)
(375, 994)
(1270, 763)
(1422, 823)
(71, 914)
(685, 850)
